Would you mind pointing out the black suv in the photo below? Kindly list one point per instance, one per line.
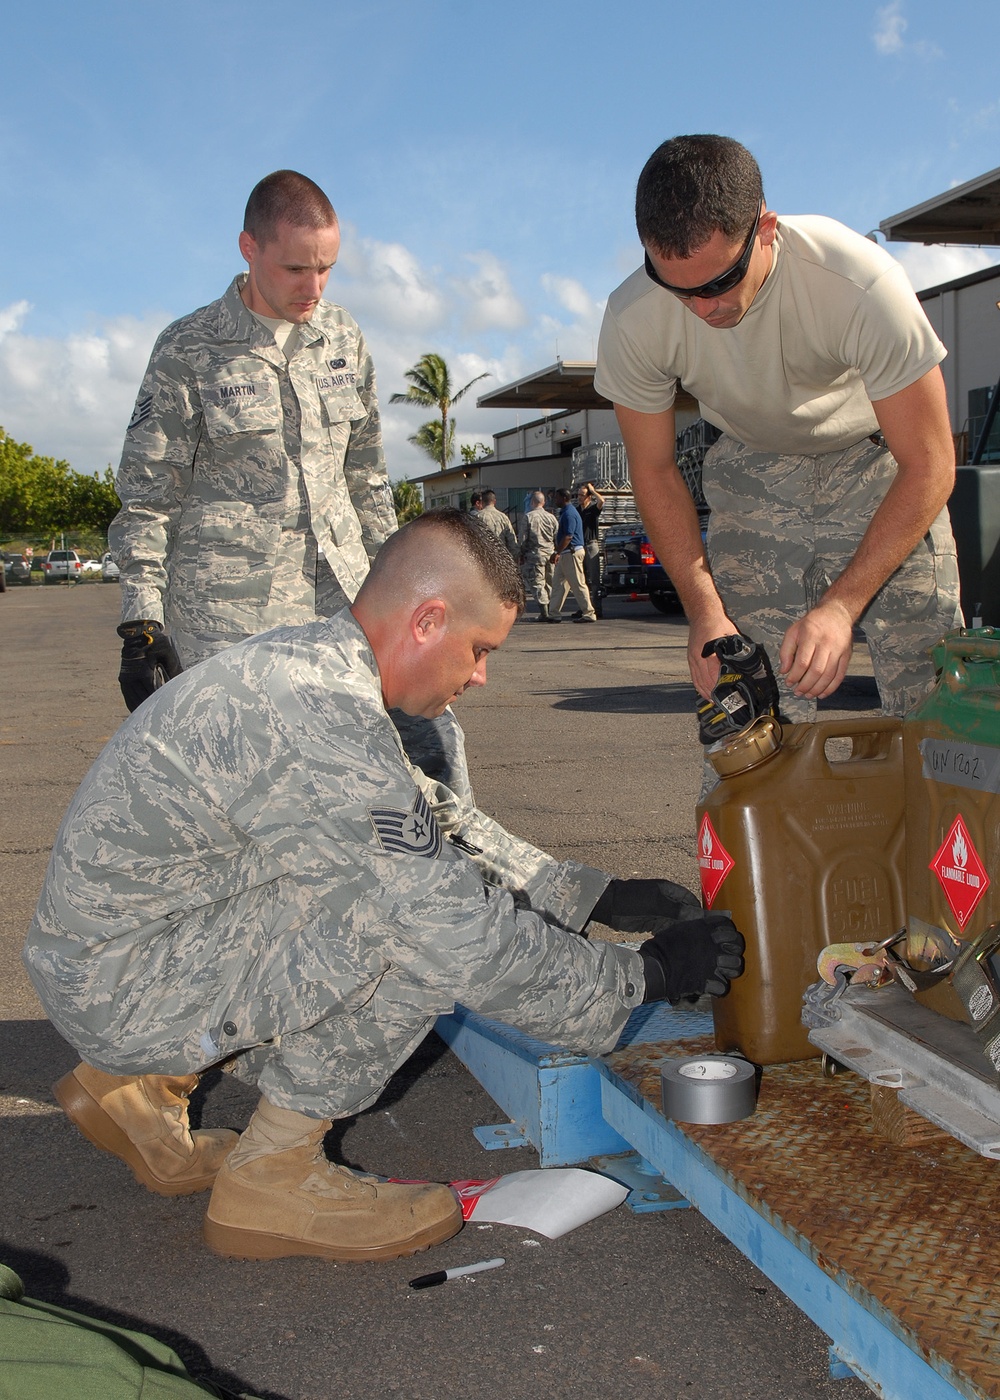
(631, 565)
(16, 569)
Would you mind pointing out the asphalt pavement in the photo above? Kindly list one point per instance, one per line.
(583, 741)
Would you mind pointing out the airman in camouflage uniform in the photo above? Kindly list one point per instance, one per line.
(263, 802)
(253, 484)
(537, 537)
(495, 521)
(254, 488)
(252, 871)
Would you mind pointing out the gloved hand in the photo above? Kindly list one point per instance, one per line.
(745, 690)
(692, 957)
(148, 660)
(639, 906)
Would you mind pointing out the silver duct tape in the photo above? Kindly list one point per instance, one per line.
(708, 1089)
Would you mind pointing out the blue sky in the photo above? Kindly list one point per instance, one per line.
(482, 160)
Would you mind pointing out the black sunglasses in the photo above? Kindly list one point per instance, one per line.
(725, 282)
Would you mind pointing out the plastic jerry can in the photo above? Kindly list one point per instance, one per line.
(951, 761)
(803, 841)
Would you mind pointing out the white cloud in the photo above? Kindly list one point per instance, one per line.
(890, 26)
(384, 282)
(927, 266)
(487, 298)
(71, 398)
(889, 34)
(572, 339)
(12, 316)
(571, 295)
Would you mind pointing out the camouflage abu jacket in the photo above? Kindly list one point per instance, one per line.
(240, 467)
(538, 532)
(252, 854)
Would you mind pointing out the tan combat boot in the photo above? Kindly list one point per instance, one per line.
(278, 1195)
(143, 1120)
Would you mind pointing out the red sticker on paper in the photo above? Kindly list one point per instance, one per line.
(960, 871)
(714, 860)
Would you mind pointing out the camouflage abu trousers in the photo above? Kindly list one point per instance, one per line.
(322, 1027)
(536, 571)
(783, 528)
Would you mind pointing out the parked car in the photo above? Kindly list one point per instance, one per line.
(630, 565)
(90, 566)
(16, 568)
(109, 569)
(61, 563)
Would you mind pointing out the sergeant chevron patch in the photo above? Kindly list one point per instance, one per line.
(413, 833)
(143, 408)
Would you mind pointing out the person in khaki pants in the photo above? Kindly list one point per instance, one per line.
(569, 556)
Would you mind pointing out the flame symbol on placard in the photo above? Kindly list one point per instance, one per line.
(706, 840)
(959, 850)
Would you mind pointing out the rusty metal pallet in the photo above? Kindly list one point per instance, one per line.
(892, 1251)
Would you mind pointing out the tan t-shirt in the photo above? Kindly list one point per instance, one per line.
(286, 333)
(835, 326)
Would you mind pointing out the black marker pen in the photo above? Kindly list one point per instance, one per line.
(443, 1275)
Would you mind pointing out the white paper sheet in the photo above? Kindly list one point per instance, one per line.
(552, 1201)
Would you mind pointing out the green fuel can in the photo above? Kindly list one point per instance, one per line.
(951, 761)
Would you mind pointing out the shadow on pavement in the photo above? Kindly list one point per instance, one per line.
(47, 1279)
(634, 700)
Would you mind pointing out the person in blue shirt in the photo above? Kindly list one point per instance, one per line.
(569, 556)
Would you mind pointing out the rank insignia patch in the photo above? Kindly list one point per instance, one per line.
(413, 833)
(141, 412)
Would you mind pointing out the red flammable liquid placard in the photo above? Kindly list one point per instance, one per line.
(714, 860)
(960, 871)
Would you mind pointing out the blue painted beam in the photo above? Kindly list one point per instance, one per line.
(553, 1096)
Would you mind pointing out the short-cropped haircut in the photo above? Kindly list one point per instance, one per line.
(285, 196)
(693, 186)
(491, 559)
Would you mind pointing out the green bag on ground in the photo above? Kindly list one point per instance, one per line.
(49, 1353)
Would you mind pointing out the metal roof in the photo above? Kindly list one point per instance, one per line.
(969, 213)
(568, 384)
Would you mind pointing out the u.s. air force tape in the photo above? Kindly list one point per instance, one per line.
(708, 1089)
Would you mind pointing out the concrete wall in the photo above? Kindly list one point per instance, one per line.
(549, 437)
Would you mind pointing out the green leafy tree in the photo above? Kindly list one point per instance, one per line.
(476, 451)
(430, 387)
(41, 496)
(407, 500)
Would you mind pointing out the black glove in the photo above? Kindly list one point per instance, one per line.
(639, 906)
(692, 957)
(148, 661)
(745, 690)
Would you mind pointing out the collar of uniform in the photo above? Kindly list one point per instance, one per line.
(237, 322)
(355, 646)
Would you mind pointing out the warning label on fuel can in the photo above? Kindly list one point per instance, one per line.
(714, 861)
(960, 872)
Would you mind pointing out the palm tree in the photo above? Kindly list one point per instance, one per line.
(430, 387)
(429, 439)
(407, 501)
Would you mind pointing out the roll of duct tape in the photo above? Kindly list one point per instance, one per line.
(709, 1089)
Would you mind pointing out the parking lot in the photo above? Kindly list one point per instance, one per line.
(584, 742)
